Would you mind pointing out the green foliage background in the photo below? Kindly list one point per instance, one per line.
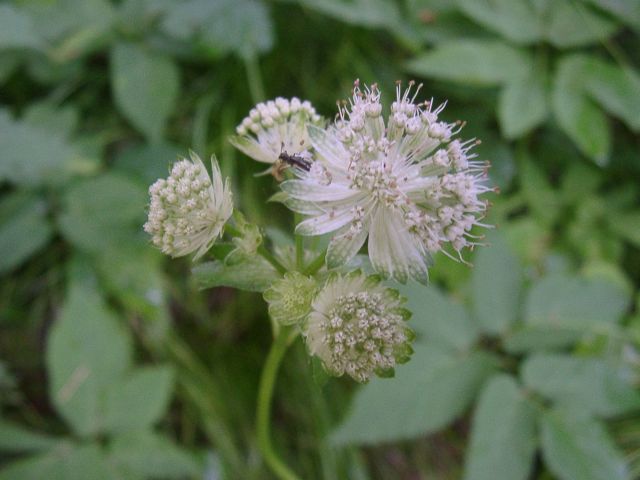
(113, 364)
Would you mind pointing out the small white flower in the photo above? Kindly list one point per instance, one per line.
(290, 297)
(273, 127)
(406, 184)
(188, 209)
(358, 326)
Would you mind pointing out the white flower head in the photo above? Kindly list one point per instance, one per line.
(405, 183)
(274, 127)
(357, 326)
(188, 209)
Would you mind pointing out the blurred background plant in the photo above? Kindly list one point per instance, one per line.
(113, 366)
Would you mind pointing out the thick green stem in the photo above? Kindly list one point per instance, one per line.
(254, 77)
(269, 257)
(265, 395)
(299, 246)
(316, 264)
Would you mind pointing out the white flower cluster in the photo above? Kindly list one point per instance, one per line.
(273, 127)
(357, 326)
(406, 184)
(188, 210)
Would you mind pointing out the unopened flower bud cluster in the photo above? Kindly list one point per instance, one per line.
(187, 210)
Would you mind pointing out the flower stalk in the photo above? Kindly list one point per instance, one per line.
(265, 397)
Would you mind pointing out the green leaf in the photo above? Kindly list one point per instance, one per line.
(138, 400)
(145, 86)
(15, 438)
(515, 20)
(17, 29)
(65, 462)
(576, 114)
(541, 198)
(426, 394)
(627, 225)
(254, 274)
(437, 318)
(145, 454)
(496, 285)
(616, 89)
(503, 437)
(523, 105)
(368, 13)
(224, 26)
(32, 156)
(590, 384)
(627, 11)
(52, 118)
(148, 162)
(575, 446)
(568, 24)
(103, 212)
(87, 353)
(24, 228)
(575, 302)
(478, 62)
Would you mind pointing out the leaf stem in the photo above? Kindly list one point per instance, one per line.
(316, 264)
(254, 77)
(299, 246)
(265, 396)
(270, 257)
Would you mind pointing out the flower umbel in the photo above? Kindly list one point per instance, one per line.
(406, 184)
(273, 127)
(188, 209)
(357, 326)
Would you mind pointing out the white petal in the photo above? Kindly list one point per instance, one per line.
(251, 148)
(393, 250)
(315, 192)
(302, 206)
(344, 247)
(328, 146)
(327, 222)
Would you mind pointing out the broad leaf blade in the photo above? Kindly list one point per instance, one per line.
(503, 436)
(254, 274)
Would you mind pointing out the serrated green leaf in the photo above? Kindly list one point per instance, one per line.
(24, 228)
(103, 212)
(65, 462)
(522, 105)
(627, 225)
(438, 319)
(496, 285)
(515, 20)
(568, 24)
(426, 394)
(576, 114)
(240, 26)
(627, 11)
(15, 438)
(503, 440)
(88, 351)
(616, 89)
(480, 62)
(17, 29)
(32, 156)
(138, 400)
(590, 384)
(254, 274)
(575, 446)
(149, 455)
(145, 86)
(148, 162)
(575, 302)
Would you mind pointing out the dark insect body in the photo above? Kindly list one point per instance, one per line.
(295, 161)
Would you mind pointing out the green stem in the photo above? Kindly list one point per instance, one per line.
(262, 250)
(269, 257)
(316, 264)
(299, 246)
(254, 77)
(265, 396)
